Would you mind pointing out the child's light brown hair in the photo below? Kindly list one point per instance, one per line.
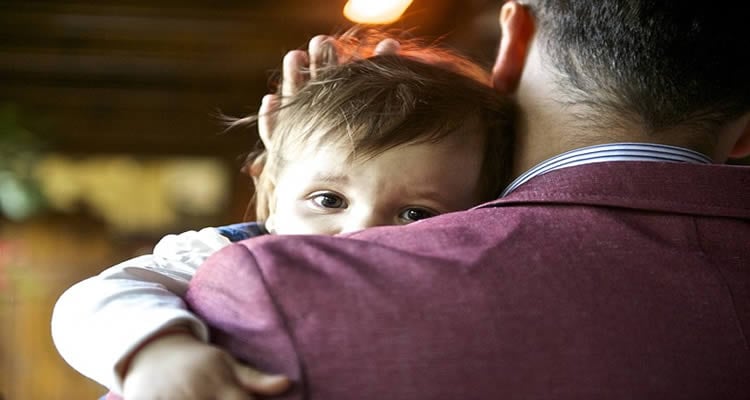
(372, 103)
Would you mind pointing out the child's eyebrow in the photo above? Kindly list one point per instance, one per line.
(439, 196)
(331, 178)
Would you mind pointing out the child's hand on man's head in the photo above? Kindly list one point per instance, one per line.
(178, 366)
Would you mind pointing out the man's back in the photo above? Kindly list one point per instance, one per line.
(616, 280)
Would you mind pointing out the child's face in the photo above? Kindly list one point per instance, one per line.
(321, 192)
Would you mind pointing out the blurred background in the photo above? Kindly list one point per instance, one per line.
(110, 137)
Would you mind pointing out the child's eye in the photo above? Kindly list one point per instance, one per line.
(416, 214)
(328, 200)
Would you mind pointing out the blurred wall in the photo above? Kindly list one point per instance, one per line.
(102, 98)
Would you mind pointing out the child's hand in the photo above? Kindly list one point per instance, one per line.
(181, 367)
(299, 66)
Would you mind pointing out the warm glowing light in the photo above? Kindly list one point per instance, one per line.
(375, 11)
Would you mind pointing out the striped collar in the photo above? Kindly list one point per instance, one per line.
(610, 152)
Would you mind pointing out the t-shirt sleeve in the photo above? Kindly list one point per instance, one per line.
(98, 322)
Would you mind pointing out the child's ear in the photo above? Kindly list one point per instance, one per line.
(255, 168)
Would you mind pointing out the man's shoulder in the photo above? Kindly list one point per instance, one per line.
(572, 290)
(580, 214)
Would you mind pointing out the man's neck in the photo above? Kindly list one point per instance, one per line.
(546, 129)
(531, 150)
(547, 126)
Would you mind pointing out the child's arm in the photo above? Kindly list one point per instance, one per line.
(189, 369)
(99, 322)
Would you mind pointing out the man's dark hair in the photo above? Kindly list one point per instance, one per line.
(661, 63)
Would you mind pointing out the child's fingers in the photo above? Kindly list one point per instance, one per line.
(387, 47)
(258, 382)
(267, 115)
(322, 53)
(293, 75)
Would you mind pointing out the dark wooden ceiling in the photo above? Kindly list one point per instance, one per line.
(143, 77)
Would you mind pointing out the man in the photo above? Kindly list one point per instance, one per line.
(608, 269)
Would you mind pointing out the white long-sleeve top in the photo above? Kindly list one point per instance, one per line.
(98, 322)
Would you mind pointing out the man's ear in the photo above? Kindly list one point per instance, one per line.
(517, 25)
(741, 147)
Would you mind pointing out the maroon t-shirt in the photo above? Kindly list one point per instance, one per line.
(613, 280)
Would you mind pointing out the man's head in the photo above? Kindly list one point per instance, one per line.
(366, 112)
(660, 71)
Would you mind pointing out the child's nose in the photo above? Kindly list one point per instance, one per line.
(366, 220)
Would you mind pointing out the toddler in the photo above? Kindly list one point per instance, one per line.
(371, 139)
